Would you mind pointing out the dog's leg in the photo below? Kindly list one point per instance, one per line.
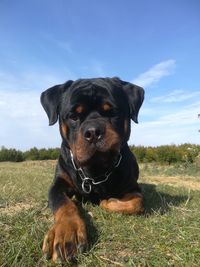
(131, 203)
(68, 235)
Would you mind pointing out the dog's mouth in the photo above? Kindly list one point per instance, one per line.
(95, 148)
(102, 152)
(85, 152)
(96, 154)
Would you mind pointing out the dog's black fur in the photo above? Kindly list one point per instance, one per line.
(94, 117)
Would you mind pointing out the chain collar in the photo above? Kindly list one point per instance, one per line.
(87, 182)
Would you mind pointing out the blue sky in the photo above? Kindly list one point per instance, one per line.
(155, 44)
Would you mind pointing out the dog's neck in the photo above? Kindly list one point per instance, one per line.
(97, 168)
(91, 176)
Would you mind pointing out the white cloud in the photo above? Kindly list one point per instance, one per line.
(176, 96)
(29, 80)
(174, 127)
(23, 121)
(155, 73)
(33, 80)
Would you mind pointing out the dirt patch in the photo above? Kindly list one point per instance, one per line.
(173, 181)
(16, 208)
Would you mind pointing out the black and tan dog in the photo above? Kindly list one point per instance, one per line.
(95, 162)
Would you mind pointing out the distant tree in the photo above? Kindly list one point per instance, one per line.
(32, 154)
(169, 154)
(190, 152)
(151, 155)
(11, 155)
(54, 152)
(186, 153)
(139, 152)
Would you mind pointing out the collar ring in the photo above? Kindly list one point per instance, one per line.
(86, 186)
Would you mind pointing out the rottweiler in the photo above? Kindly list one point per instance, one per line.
(95, 162)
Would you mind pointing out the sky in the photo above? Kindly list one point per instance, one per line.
(154, 44)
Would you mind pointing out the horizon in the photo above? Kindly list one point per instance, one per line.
(152, 44)
(130, 145)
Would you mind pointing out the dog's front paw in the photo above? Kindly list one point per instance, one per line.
(65, 239)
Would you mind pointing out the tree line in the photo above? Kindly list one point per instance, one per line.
(32, 154)
(186, 153)
(162, 154)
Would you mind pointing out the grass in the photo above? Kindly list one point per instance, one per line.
(168, 235)
(180, 169)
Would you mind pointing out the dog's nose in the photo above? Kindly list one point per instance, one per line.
(93, 134)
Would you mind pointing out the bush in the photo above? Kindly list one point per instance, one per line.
(169, 154)
(42, 154)
(32, 154)
(11, 155)
(139, 152)
(185, 153)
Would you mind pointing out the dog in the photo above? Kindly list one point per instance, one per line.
(95, 162)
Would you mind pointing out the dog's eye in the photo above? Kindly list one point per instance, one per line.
(73, 117)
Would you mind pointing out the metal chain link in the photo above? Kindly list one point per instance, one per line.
(86, 181)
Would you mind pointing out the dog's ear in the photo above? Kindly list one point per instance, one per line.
(50, 100)
(135, 96)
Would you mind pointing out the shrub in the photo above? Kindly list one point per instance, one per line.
(11, 155)
(32, 154)
(185, 153)
(42, 154)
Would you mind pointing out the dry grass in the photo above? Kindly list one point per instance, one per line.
(166, 236)
(16, 208)
(177, 181)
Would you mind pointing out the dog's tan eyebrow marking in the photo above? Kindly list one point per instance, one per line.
(106, 106)
(79, 109)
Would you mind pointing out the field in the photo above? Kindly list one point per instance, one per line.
(167, 235)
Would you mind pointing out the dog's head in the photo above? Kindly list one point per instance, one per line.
(94, 115)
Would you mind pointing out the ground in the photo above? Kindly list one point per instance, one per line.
(167, 235)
